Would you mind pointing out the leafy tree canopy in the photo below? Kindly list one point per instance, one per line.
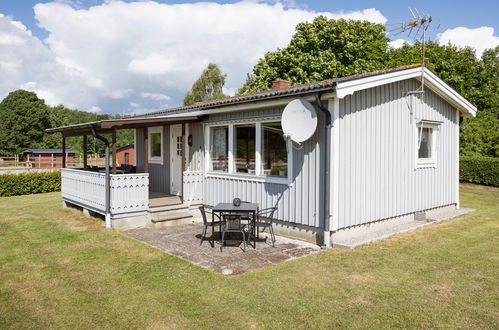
(207, 87)
(322, 49)
(24, 117)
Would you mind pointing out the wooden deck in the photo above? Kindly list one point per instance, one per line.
(160, 199)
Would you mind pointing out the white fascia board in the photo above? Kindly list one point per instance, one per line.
(449, 94)
(431, 80)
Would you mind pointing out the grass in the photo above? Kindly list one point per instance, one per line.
(59, 269)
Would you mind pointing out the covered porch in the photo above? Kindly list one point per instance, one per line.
(123, 194)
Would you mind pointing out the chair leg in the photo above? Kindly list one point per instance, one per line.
(222, 245)
(203, 235)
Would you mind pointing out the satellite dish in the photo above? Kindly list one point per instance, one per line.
(299, 120)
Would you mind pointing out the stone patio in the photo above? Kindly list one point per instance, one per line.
(183, 241)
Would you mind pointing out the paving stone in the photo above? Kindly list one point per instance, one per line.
(183, 241)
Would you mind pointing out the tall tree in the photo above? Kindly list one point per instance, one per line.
(207, 87)
(322, 49)
(23, 117)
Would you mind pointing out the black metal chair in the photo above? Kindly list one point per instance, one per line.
(264, 219)
(232, 224)
(207, 224)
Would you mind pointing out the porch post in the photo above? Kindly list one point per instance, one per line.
(113, 142)
(146, 150)
(85, 155)
(63, 152)
(183, 162)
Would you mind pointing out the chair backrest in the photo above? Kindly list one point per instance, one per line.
(203, 214)
(232, 221)
(267, 214)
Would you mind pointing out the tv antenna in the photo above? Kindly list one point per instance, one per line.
(419, 25)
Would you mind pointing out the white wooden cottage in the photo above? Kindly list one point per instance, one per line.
(390, 153)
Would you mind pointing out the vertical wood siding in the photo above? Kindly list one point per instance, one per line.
(159, 175)
(299, 203)
(378, 175)
(195, 160)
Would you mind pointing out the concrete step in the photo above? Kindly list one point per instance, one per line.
(163, 208)
(169, 216)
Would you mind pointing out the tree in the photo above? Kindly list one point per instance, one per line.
(207, 87)
(322, 49)
(23, 117)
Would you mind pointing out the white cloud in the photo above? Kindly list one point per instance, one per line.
(480, 38)
(111, 54)
(397, 43)
(155, 96)
(95, 109)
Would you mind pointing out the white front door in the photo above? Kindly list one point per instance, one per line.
(176, 160)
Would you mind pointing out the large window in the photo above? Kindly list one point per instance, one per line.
(244, 146)
(274, 150)
(156, 145)
(426, 144)
(219, 148)
(251, 148)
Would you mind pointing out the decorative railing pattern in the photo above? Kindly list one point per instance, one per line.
(193, 187)
(129, 192)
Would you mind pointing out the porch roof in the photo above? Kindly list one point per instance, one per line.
(107, 126)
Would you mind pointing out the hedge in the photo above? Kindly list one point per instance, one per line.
(29, 183)
(482, 170)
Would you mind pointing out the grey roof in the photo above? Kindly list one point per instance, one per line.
(50, 151)
(324, 85)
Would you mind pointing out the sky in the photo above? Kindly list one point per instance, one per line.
(132, 57)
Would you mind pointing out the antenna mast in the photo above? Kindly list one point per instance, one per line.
(421, 21)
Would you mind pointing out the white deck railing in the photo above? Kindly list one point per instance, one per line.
(193, 187)
(129, 192)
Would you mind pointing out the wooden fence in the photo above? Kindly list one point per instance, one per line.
(11, 162)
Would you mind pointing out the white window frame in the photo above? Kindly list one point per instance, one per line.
(152, 130)
(435, 129)
(258, 176)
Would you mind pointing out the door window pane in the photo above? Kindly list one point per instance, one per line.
(244, 145)
(425, 142)
(219, 149)
(274, 150)
(155, 144)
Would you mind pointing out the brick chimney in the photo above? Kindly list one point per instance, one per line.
(278, 84)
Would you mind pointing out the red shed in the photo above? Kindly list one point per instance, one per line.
(44, 158)
(126, 155)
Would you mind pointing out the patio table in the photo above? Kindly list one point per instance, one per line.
(232, 209)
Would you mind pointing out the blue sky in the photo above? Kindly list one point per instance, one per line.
(129, 57)
(447, 14)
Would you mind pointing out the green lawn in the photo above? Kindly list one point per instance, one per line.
(59, 269)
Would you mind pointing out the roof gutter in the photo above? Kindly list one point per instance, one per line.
(108, 177)
(327, 170)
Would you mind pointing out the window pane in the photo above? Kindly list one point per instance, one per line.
(219, 149)
(274, 151)
(155, 144)
(425, 142)
(244, 145)
(127, 158)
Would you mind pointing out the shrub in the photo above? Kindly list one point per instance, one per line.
(29, 183)
(482, 170)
